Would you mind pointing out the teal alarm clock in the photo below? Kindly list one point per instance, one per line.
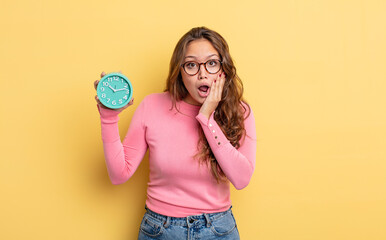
(114, 90)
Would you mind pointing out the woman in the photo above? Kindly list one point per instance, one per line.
(201, 136)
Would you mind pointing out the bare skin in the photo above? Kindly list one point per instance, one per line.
(202, 50)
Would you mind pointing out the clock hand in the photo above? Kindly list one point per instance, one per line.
(121, 89)
(112, 88)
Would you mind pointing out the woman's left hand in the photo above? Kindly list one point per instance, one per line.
(211, 102)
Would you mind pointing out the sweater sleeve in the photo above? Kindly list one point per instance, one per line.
(237, 164)
(122, 158)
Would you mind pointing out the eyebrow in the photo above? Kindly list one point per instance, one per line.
(206, 57)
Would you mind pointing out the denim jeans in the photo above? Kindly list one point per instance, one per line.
(209, 226)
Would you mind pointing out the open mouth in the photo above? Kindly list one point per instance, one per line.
(203, 90)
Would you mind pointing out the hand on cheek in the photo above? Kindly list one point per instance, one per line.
(211, 102)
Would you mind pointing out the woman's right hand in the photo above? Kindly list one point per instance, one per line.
(100, 105)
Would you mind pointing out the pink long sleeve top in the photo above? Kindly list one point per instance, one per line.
(178, 185)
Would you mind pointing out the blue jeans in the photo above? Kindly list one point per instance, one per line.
(209, 226)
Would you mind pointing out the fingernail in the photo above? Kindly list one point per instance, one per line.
(220, 74)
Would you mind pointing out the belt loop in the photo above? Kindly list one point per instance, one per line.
(207, 220)
(167, 222)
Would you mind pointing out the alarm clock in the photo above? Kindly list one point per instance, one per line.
(114, 90)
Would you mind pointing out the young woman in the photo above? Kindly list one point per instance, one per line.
(201, 137)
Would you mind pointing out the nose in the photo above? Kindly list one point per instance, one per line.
(201, 72)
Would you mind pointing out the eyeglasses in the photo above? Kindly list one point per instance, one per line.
(211, 66)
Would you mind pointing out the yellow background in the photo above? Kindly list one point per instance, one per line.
(314, 73)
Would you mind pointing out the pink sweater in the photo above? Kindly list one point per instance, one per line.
(178, 185)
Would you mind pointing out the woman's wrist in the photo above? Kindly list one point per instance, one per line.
(108, 115)
(205, 113)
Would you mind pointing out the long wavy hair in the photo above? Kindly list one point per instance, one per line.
(230, 112)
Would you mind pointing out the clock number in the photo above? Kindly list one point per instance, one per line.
(108, 99)
(105, 83)
(109, 79)
(127, 92)
(103, 95)
(102, 89)
(126, 85)
(114, 102)
(120, 101)
(125, 97)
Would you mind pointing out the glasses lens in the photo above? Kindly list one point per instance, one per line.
(213, 66)
(191, 68)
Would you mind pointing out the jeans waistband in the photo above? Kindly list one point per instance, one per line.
(202, 219)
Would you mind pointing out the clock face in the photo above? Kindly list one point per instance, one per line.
(114, 90)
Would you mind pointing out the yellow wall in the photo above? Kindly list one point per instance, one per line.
(314, 73)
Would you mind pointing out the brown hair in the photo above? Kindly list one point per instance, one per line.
(230, 111)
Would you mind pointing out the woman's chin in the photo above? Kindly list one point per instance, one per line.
(199, 100)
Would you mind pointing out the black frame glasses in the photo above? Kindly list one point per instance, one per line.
(199, 66)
